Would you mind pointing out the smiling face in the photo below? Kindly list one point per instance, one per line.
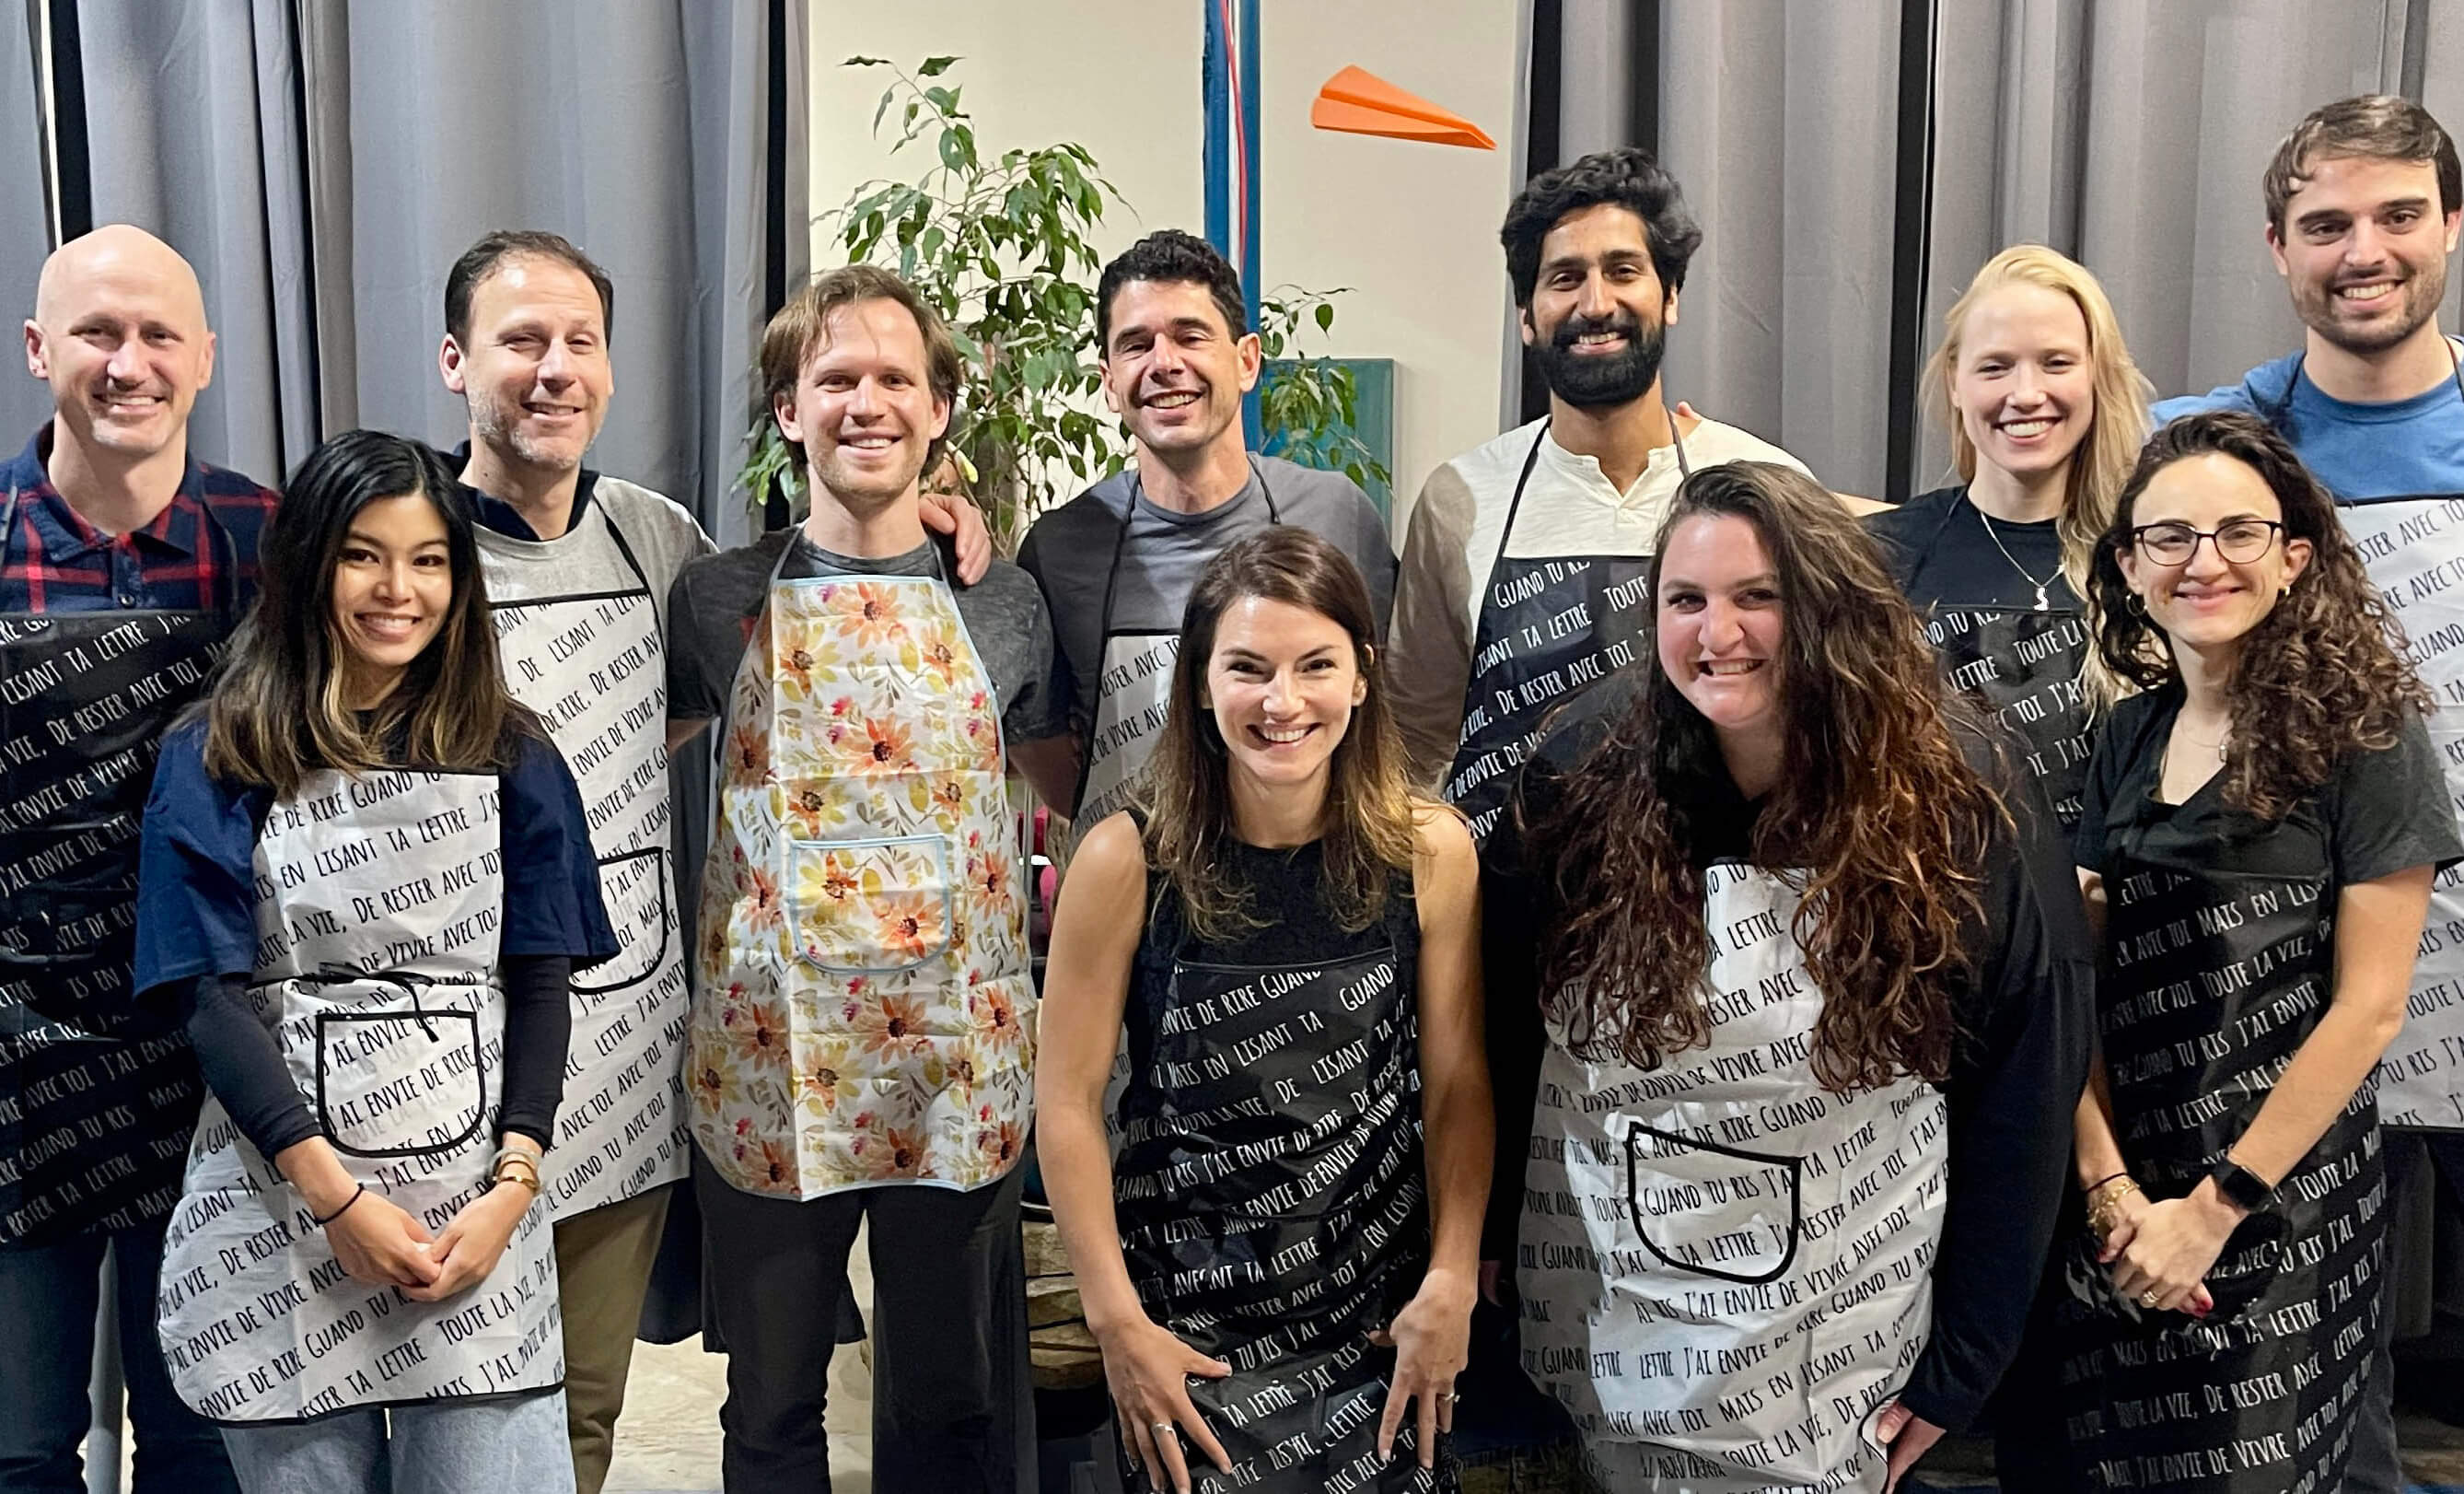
(393, 585)
(2024, 387)
(2363, 250)
(2206, 602)
(1598, 314)
(118, 332)
(1282, 682)
(1720, 623)
(863, 406)
(1173, 369)
(534, 369)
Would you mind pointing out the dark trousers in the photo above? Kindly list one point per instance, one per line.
(49, 1295)
(952, 1405)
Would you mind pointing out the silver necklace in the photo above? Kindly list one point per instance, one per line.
(2042, 604)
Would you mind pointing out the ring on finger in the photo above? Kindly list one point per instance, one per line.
(2149, 1298)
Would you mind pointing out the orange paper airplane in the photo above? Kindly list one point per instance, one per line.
(1360, 103)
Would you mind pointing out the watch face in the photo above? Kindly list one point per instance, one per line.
(2241, 1185)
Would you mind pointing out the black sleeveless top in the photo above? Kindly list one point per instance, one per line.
(1296, 929)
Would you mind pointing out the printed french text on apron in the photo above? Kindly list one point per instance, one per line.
(379, 903)
(1274, 1214)
(2214, 978)
(1548, 629)
(1726, 1269)
(592, 666)
(96, 1097)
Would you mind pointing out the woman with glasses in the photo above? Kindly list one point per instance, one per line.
(2259, 835)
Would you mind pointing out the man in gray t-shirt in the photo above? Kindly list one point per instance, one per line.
(1116, 562)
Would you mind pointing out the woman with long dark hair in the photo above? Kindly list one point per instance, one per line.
(2262, 826)
(1279, 1269)
(366, 881)
(1788, 980)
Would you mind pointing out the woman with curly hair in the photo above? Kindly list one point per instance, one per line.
(1790, 985)
(1278, 1271)
(2046, 412)
(2260, 830)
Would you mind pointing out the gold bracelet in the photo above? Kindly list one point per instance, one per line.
(2104, 1204)
(510, 1160)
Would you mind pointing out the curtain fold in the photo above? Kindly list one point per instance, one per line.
(25, 213)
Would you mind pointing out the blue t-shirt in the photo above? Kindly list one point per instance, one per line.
(2403, 447)
(196, 899)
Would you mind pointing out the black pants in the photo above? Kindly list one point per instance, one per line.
(953, 1408)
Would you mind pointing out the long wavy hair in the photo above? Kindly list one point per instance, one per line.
(2116, 430)
(1878, 817)
(282, 710)
(1367, 828)
(2323, 674)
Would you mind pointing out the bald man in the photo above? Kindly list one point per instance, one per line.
(124, 563)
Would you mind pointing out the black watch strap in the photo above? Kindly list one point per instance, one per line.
(2241, 1185)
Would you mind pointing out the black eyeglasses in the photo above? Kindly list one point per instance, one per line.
(2240, 541)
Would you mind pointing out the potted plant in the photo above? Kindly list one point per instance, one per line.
(1001, 246)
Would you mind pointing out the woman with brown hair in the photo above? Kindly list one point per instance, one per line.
(2262, 826)
(1276, 1267)
(1790, 986)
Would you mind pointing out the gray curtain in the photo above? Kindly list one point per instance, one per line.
(2128, 133)
(323, 164)
(25, 222)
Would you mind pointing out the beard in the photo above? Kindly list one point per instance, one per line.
(499, 425)
(1589, 381)
(2421, 292)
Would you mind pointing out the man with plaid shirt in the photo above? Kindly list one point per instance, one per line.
(124, 562)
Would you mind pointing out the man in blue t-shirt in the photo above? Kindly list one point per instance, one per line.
(2364, 199)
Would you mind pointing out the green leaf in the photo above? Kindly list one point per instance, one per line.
(1325, 316)
(934, 67)
(862, 61)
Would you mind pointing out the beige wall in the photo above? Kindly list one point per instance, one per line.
(1411, 227)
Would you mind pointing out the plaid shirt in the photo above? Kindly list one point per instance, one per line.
(199, 553)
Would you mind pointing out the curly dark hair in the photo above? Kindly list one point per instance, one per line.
(1628, 177)
(2324, 672)
(1878, 816)
(1173, 257)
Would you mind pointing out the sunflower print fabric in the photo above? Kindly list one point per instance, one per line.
(866, 1014)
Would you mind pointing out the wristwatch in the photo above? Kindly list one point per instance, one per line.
(2241, 1185)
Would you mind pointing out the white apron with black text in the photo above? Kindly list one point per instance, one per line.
(2414, 551)
(592, 663)
(1726, 1269)
(379, 903)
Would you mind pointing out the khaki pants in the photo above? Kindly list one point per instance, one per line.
(603, 1266)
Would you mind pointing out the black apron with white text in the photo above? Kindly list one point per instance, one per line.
(2217, 964)
(1273, 1211)
(2023, 662)
(96, 1097)
(1548, 629)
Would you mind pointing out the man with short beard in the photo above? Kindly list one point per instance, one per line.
(1118, 562)
(2365, 200)
(1525, 558)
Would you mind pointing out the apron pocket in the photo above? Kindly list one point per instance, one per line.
(399, 1084)
(634, 887)
(869, 906)
(1711, 1209)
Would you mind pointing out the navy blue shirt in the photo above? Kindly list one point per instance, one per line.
(199, 553)
(2401, 448)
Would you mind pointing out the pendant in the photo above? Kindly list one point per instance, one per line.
(2042, 604)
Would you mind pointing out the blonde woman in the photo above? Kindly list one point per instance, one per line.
(2046, 413)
